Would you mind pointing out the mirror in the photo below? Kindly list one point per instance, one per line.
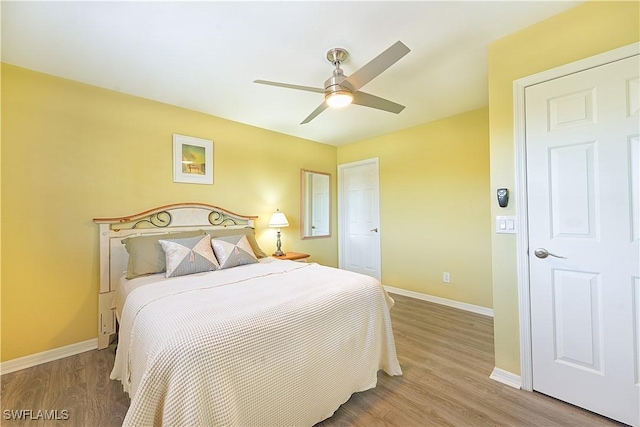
(315, 210)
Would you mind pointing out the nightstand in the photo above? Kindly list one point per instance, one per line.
(294, 256)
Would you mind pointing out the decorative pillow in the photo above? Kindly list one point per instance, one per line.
(249, 232)
(146, 255)
(189, 256)
(232, 251)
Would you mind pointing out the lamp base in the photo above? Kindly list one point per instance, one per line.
(278, 246)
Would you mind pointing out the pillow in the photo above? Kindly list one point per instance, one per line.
(249, 232)
(188, 256)
(146, 255)
(232, 251)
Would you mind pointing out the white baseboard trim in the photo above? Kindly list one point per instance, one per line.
(443, 301)
(47, 356)
(506, 377)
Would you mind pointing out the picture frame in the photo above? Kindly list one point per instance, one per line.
(192, 160)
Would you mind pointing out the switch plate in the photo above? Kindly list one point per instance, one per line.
(506, 224)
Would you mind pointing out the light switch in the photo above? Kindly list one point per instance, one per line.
(506, 224)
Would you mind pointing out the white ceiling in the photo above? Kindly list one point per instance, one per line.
(205, 56)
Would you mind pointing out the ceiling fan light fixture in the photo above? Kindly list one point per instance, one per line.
(339, 98)
(340, 90)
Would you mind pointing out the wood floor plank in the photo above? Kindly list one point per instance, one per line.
(107, 404)
(67, 390)
(446, 356)
(24, 390)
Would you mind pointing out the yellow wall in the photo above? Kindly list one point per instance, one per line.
(72, 152)
(434, 209)
(583, 31)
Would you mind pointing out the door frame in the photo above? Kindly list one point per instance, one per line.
(342, 212)
(522, 223)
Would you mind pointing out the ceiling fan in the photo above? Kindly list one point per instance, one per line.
(340, 90)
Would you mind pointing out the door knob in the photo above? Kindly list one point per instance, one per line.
(375, 230)
(543, 253)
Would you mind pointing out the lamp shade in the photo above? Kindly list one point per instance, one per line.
(278, 220)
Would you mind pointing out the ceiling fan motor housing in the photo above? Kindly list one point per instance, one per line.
(334, 84)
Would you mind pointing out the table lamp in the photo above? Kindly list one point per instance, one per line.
(278, 220)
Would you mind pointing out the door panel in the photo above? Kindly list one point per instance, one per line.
(577, 318)
(636, 315)
(633, 100)
(634, 185)
(582, 183)
(572, 186)
(571, 110)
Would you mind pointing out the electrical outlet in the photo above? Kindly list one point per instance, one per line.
(446, 277)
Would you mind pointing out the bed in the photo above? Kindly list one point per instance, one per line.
(269, 342)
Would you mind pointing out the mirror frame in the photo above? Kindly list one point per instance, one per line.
(303, 204)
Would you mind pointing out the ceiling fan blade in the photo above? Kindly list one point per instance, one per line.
(315, 113)
(368, 100)
(288, 86)
(377, 65)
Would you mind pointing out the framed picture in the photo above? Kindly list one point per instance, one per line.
(192, 160)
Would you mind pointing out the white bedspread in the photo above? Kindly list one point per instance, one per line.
(270, 344)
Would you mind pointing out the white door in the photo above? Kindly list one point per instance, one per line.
(583, 163)
(359, 217)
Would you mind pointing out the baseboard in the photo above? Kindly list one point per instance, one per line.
(47, 356)
(442, 301)
(506, 377)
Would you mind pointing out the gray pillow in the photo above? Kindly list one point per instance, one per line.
(146, 255)
(249, 232)
(189, 255)
(232, 251)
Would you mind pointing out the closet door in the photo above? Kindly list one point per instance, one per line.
(583, 185)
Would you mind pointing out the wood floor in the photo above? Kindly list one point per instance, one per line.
(446, 357)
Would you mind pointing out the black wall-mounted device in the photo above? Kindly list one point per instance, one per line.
(503, 197)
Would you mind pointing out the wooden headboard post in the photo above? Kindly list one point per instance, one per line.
(161, 220)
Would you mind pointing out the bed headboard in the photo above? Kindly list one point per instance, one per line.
(161, 220)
